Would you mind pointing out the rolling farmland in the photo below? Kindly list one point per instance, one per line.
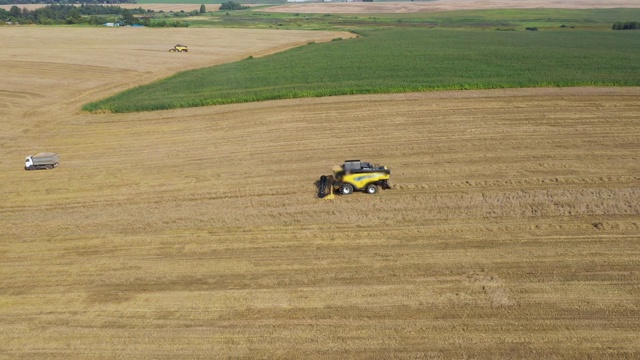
(431, 60)
(511, 231)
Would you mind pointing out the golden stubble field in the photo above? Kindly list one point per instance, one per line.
(512, 230)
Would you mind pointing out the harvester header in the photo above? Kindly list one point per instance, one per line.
(354, 175)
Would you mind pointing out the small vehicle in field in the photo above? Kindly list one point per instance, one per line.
(43, 160)
(354, 175)
(179, 48)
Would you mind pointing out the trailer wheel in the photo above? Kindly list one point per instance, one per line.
(346, 189)
(372, 189)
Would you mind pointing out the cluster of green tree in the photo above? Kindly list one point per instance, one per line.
(69, 14)
(23, 2)
(183, 13)
(231, 5)
(163, 23)
(629, 25)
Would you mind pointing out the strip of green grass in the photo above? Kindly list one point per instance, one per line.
(401, 60)
(579, 17)
(514, 19)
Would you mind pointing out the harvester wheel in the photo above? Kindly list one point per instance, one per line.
(372, 189)
(346, 189)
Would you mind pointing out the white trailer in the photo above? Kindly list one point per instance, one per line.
(44, 160)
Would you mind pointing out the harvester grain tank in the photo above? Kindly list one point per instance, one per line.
(43, 160)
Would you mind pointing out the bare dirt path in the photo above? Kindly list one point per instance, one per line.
(511, 231)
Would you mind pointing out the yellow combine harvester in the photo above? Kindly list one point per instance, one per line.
(354, 175)
(179, 48)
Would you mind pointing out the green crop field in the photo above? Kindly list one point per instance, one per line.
(520, 18)
(401, 60)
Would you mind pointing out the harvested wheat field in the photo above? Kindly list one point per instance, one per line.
(512, 230)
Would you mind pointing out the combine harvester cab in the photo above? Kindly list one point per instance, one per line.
(354, 175)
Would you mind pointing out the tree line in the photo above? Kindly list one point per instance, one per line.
(628, 25)
(232, 5)
(68, 14)
(54, 2)
(87, 14)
